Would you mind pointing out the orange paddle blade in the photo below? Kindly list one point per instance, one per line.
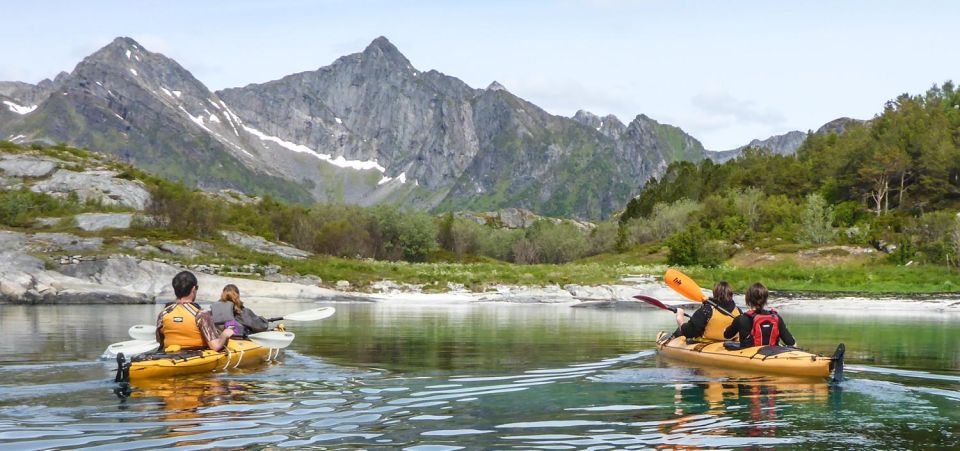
(683, 285)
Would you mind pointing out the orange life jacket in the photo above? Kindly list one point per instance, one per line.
(180, 326)
(718, 323)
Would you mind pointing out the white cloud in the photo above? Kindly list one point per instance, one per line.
(720, 108)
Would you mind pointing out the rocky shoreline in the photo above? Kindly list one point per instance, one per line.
(125, 279)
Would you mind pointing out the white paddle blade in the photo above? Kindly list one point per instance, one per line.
(143, 332)
(130, 348)
(311, 315)
(273, 339)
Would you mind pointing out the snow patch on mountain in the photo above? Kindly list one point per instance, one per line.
(19, 109)
(359, 165)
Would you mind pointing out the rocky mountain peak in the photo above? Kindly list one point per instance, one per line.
(116, 50)
(382, 49)
(838, 125)
(587, 118)
(496, 86)
(609, 125)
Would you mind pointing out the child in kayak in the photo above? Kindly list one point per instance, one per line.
(759, 326)
(707, 322)
(230, 313)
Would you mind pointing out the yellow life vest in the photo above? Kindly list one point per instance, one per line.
(180, 326)
(718, 323)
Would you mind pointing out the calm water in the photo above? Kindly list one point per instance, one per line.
(480, 376)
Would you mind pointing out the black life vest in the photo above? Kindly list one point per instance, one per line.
(766, 327)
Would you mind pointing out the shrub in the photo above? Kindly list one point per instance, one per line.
(176, 207)
(18, 208)
(848, 214)
(691, 247)
(663, 221)
(556, 242)
(816, 221)
(747, 203)
(603, 238)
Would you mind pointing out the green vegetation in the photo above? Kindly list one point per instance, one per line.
(892, 183)
(855, 278)
(894, 180)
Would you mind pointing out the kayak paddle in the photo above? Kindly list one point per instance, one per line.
(148, 333)
(131, 348)
(272, 339)
(307, 315)
(683, 284)
(657, 303)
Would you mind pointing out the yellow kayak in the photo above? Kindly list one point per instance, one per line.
(755, 359)
(237, 354)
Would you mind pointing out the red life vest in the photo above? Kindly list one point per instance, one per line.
(766, 327)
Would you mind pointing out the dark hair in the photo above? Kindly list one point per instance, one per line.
(757, 296)
(722, 292)
(183, 283)
(231, 294)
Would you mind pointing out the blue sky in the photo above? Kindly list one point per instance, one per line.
(726, 72)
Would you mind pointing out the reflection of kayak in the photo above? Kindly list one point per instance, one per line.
(759, 359)
(237, 354)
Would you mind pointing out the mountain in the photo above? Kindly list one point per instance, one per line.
(462, 148)
(787, 143)
(146, 109)
(368, 128)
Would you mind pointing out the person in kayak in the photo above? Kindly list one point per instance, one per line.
(230, 313)
(706, 322)
(182, 324)
(759, 326)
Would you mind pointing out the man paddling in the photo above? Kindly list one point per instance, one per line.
(182, 324)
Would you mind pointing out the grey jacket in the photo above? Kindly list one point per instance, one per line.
(223, 312)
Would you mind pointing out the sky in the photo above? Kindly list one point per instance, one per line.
(726, 72)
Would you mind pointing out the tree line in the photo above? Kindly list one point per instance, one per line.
(894, 178)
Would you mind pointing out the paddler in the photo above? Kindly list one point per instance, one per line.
(183, 325)
(759, 326)
(231, 313)
(707, 322)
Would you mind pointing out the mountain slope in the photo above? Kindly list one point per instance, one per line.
(463, 148)
(146, 109)
(368, 128)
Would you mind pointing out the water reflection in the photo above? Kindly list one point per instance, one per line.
(530, 377)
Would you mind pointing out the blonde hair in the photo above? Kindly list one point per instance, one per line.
(231, 294)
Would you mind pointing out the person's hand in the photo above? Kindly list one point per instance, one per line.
(232, 325)
(228, 332)
(680, 318)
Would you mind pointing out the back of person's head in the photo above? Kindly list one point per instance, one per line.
(757, 296)
(183, 284)
(722, 292)
(231, 294)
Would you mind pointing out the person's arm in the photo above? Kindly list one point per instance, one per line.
(697, 324)
(732, 330)
(785, 336)
(159, 333)
(214, 340)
